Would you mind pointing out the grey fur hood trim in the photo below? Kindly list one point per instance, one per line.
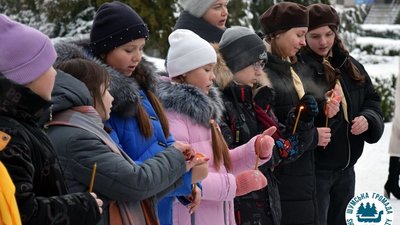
(192, 102)
(125, 90)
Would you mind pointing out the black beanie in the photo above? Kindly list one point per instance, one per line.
(115, 24)
(322, 15)
(284, 16)
(241, 47)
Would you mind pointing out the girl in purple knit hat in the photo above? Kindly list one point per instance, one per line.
(26, 81)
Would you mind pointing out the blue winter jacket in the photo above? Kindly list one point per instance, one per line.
(128, 135)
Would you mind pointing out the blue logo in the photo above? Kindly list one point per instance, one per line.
(369, 208)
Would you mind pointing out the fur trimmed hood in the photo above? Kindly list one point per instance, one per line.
(125, 90)
(191, 101)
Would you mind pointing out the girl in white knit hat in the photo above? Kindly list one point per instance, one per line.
(194, 107)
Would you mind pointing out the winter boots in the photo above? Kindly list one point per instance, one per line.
(392, 184)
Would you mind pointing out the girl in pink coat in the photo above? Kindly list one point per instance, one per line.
(191, 101)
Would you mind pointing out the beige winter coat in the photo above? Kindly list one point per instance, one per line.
(394, 149)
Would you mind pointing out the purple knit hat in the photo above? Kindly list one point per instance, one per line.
(25, 53)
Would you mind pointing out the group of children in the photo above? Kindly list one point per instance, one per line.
(239, 130)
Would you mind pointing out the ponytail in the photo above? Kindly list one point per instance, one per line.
(220, 148)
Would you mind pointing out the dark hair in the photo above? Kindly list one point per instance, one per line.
(90, 73)
(348, 65)
(142, 116)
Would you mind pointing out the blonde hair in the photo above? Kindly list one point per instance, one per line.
(220, 148)
(223, 75)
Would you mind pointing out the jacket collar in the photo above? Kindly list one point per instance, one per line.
(125, 90)
(191, 101)
(20, 102)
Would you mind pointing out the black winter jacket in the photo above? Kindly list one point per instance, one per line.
(240, 124)
(30, 159)
(296, 180)
(345, 148)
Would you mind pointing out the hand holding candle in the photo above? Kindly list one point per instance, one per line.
(333, 99)
(306, 110)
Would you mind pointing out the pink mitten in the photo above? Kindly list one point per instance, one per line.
(248, 181)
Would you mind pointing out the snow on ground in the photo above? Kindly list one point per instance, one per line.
(380, 46)
(158, 63)
(381, 28)
(378, 66)
(372, 170)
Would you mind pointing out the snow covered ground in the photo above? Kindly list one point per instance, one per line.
(372, 170)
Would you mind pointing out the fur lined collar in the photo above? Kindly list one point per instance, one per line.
(125, 90)
(191, 101)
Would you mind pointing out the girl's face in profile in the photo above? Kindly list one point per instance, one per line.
(249, 75)
(202, 77)
(291, 41)
(106, 101)
(217, 14)
(126, 57)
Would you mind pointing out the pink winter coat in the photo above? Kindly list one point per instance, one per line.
(188, 114)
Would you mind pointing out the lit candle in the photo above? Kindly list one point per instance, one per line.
(93, 175)
(297, 119)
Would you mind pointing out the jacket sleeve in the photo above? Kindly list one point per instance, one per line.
(371, 109)
(219, 187)
(116, 178)
(77, 208)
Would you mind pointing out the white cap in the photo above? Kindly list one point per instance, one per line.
(188, 51)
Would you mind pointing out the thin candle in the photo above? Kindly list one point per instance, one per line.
(93, 175)
(326, 116)
(194, 189)
(258, 150)
(297, 119)
(326, 108)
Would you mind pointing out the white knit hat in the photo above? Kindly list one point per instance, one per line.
(188, 51)
(196, 7)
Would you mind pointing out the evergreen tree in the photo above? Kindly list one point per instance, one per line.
(361, 209)
(258, 7)
(373, 209)
(239, 13)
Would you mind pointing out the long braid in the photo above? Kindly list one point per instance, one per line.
(353, 71)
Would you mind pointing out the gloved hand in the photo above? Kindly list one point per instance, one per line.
(265, 143)
(310, 108)
(248, 181)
